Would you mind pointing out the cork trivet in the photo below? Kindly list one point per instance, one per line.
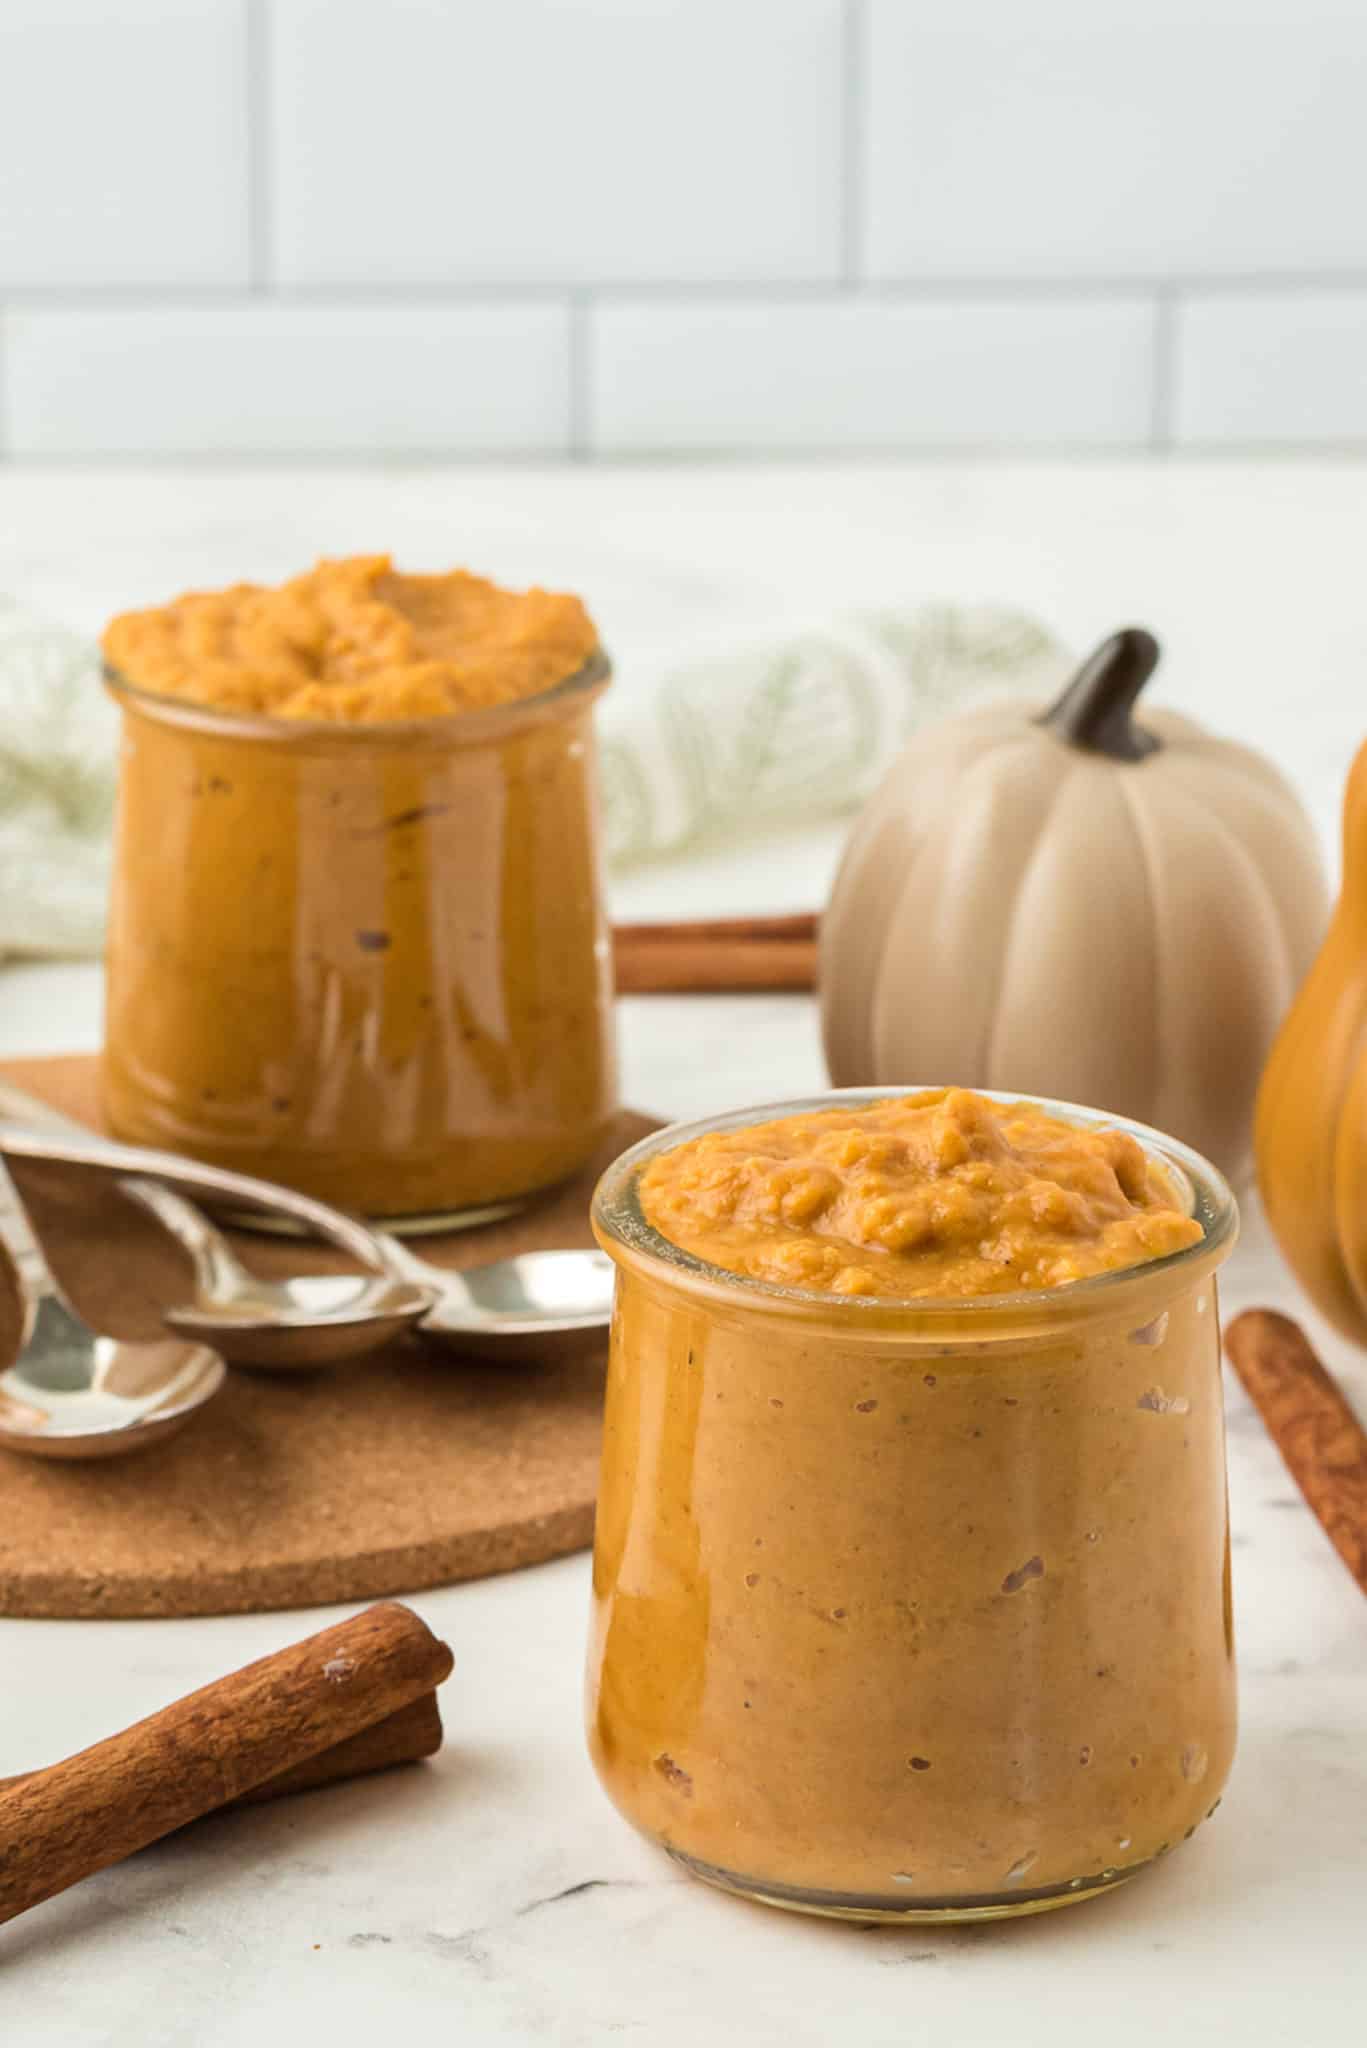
(412, 1468)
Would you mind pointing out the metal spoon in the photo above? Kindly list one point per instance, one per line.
(304, 1321)
(85, 1194)
(533, 1305)
(73, 1393)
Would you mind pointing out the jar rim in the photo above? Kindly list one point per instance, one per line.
(620, 1222)
(481, 722)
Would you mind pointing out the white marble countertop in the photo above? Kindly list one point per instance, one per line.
(495, 1896)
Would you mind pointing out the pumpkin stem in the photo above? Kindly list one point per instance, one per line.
(1095, 709)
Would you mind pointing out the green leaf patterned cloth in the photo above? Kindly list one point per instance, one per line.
(719, 750)
(58, 736)
(761, 740)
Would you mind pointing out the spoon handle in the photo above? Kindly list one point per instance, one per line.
(401, 1263)
(17, 1106)
(219, 1274)
(17, 1234)
(20, 1240)
(215, 1185)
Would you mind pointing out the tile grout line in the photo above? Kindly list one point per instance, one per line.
(854, 82)
(149, 296)
(1338, 450)
(1162, 412)
(260, 253)
(579, 441)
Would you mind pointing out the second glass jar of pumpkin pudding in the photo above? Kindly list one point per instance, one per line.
(357, 941)
(911, 1580)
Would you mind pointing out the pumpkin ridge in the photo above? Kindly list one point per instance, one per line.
(1076, 761)
(1253, 889)
(957, 801)
(1220, 828)
(1153, 894)
(1280, 802)
(1283, 814)
(1003, 953)
(838, 1025)
(1196, 744)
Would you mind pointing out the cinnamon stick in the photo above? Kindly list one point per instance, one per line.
(1323, 1444)
(215, 1746)
(716, 955)
(405, 1737)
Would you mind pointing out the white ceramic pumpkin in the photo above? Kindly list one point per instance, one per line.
(1070, 904)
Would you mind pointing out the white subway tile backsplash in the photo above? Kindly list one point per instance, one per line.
(1254, 367)
(871, 375)
(608, 226)
(679, 140)
(1104, 139)
(123, 143)
(407, 380)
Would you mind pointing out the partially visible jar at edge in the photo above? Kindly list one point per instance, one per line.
(369, 960)
(914, 1610)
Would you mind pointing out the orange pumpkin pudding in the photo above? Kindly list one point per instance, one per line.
(354, 640)
(911, 1592)
(357, 940)
(942, 1193)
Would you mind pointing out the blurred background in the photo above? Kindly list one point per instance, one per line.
(526, 228)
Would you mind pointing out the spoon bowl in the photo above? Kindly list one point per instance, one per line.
(72, 1393)
(536, 1305)
(297, 1324)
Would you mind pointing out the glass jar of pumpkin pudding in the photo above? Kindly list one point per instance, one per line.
(357, 939)
(911, 1586)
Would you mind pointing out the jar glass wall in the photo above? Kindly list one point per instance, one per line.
(367, 960)
(912, 1609)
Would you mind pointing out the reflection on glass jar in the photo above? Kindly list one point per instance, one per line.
(368, 960)
(921, 1608)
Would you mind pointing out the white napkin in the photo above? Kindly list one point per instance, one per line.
(718, 750)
